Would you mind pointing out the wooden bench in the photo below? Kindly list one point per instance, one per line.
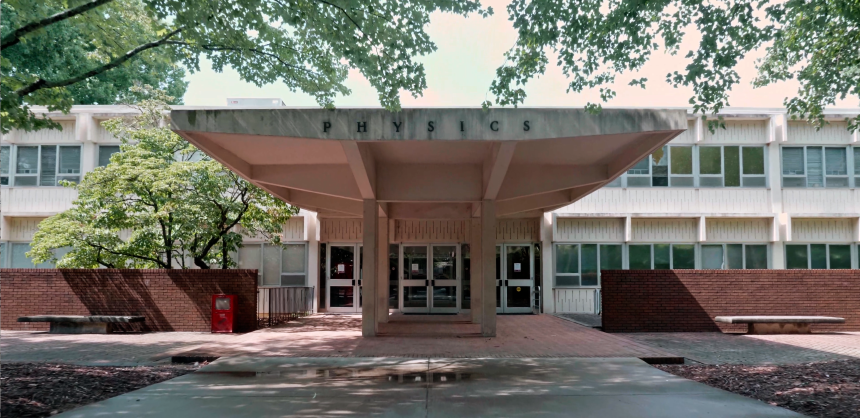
(763, 324)
(78, 324)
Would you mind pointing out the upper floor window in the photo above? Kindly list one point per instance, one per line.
(39, 165)
(105, 151)
(698, 166)
(815, 166)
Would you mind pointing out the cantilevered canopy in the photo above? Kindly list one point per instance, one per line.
(429, 163)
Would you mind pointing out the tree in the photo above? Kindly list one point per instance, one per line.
(307, 44)
(159, 203)
(70, 47)
(816, 42)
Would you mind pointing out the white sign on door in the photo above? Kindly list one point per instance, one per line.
(415, 268)
(518, 267)
(341, 268)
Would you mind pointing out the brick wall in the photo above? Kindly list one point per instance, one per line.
(171, 300)
(688, 300)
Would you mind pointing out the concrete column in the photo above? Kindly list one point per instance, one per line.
(547, 270)
(383, 272)
(370, 230)
(476, 278)
(313, 239)
(488, 267)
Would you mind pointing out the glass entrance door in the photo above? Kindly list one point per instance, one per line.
(514, 278)
(430, 278)
(343, 270)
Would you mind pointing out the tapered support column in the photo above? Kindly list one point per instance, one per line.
(476, 278)
(382, 272)
(547, 274)
(370, 231)
(488, 268)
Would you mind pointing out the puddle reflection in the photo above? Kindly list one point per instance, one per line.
(355, 374)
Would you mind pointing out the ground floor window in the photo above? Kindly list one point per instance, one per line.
(662, 256)
(579, 265)
(734, 256)
(14, 255)
(818, 256)
(277, 265)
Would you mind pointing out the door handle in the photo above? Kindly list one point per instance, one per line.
(426, 283)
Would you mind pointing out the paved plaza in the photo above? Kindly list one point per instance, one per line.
(526, 336)
(450, 388)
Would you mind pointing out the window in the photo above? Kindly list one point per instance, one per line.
(2, 255)
(5, 160)
(661, 256)
(276, 265)
(818, 256)
(105, 151)
(39, 165)
(731, 166)
(814, 167)
(734, 256)
(580, 264)
(856, 166)
(699, 166)
(19, 260)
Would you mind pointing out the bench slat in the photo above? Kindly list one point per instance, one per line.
(82, 318)
(775, 319)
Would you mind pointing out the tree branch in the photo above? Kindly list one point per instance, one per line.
(44, 84)
(15, 37)
(254, 50)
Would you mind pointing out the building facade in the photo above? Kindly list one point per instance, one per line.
(766, 192)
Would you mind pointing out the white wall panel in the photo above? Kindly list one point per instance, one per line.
(664, 230)
(49, 136)
(589, 230)
(606, 200)
(340, 230)
(673, 200)
(738, 132)
(821, 230)
(23, 229)
(734, 200)
(294, 229)
(738, 230)
(832, 133)
(431, 230)
(100, 134)
(574, 300)
(820, 200)
(18, 200)
(688, 136)
(662, 200)
(518, 230)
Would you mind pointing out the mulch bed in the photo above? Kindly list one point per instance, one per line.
(826, 390)
(45, 389)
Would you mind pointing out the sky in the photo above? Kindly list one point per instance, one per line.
(459, 73)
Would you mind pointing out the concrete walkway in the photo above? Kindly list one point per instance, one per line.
(719, 348)
(320, 387)
(518, 336)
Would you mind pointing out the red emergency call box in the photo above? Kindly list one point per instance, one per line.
(223, 309)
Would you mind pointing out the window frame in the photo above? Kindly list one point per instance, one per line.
(696, 253)
(852, 254)
(697, 176)
(58, 176)
(99, 153)
(743, 253)
(849, 175)
(260, 247)
(578, 274)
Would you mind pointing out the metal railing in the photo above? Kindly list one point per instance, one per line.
(277, 305)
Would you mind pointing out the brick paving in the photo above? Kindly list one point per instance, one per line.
(518, 336)
(719, 348)
(101, 349)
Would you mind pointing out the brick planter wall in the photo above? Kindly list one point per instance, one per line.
(171, 300)
(688, 300)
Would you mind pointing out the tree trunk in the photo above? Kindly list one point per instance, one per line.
(224, 254)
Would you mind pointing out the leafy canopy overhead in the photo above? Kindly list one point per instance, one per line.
(307, 44)
(816, 42)
(71, 47)
(160, 203)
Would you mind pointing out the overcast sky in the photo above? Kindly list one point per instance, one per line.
(459, 73)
